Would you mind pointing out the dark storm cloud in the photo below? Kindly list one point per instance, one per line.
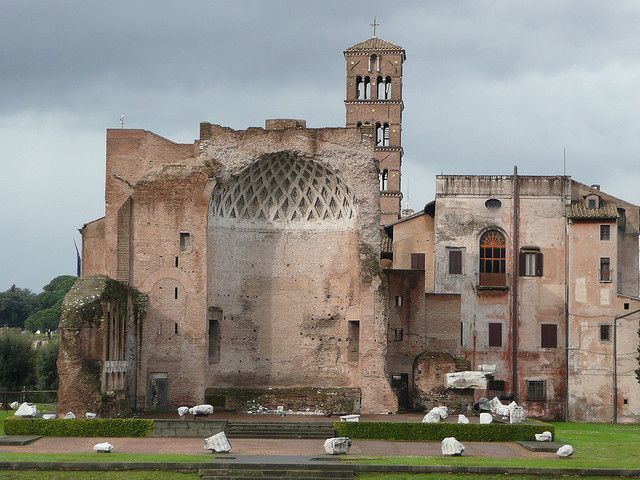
(487, 85)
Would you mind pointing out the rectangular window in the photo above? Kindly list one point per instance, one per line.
(417, 261)
(605, 232)
(354, 341)
(496, 385)
(455, 262)
(536, 391)
(605, 269)
(531, 262)
(398, 334)
(495, 334)
(605, 333)
(399, 301)
(175, 293)
(185, 242)
(549, 335)
(215, 320)
(176, 262)
(591, 204)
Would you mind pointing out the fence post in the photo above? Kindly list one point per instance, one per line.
(5, 402)
(23, 394)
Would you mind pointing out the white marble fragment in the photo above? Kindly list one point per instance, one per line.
(182, 411)
(486, 418)
(462, 419)
(201, 410)
(466, 380)
(104, 447)
(337, 445)
(452, 447)
(487, 368)
(27, 410)
(69, 416)
(565, 451)
(350, 418)
(503, 411)
(49, 416)
(495, 403)
(217, 443)
(544, 437)
(91, 416)
(435, 415)
(14, 405)
(516, 415)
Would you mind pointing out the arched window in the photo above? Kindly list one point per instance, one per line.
(384, 180)
(380, 88)
(379, 134)
(387, 88)
(493, 259)
(385, 135)
(367, 88)
(359, 88)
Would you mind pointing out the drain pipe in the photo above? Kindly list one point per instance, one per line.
(515, 275)
(615, 362)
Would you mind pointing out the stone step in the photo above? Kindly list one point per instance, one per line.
(264, 472)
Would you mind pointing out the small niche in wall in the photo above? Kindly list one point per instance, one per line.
(175, 293)
(176, 262)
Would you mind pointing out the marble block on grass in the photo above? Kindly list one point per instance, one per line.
(435, 415)
(27, 410)
(14, 405)
(544, 437)
(462, 419)
(91, 416)
(486, 418)
(69, 416)
(104, 447)
(452, 447)
(516, 415)
(217, 443)
(49, 416)
(337, 445)
(565, 451)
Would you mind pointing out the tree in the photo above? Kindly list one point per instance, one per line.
(46, 370)
(47, 315)
(16, 304)
(17, 360)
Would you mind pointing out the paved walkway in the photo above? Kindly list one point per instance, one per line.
(248, 446)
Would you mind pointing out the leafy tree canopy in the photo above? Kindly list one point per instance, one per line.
(17, 360)
(16, 304)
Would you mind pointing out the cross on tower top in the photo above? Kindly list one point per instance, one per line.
(374, 25)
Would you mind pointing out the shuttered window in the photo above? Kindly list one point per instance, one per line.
(417, 261)
(495, 334)
(455, 262)
(549, 335)
(605, 232)
(531, 262)
(605, 270)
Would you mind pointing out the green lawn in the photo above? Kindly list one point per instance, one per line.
(111, 457)
(596, 445)
(32, 475)
(470, 476)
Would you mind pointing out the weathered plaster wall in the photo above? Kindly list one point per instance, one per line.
(415, 235)
(461, 218)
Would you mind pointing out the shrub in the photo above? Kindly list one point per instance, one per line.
(471, 432)
(17, 361)
(79, 427)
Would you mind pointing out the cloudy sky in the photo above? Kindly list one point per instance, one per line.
(487, 85)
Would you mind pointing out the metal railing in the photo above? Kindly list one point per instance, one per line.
(31, 396)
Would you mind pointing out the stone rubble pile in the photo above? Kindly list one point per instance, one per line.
(337, 445)
(217, 443)
(451, 447)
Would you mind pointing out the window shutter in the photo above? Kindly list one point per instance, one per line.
(455, 262)
(549, 335)
(523, 264)
(539, 262)
(495, 334)
(417, 261)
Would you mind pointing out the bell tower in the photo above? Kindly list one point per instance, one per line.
(374, 97)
